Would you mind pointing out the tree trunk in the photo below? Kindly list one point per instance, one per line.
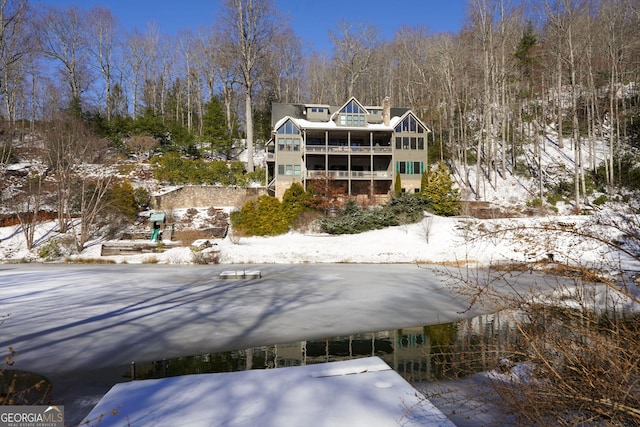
(249, 130)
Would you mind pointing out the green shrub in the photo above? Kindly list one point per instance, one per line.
(261, 217)
(534, 203)
(440, 190)
(56, 248)
(122, 198)
(177, 169)
(403, 209)
(358, 220)
(397, 186)
(50, 250)
(601, 200)
(295, 200)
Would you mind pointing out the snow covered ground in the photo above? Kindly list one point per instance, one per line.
(445, 240)
(78, 323)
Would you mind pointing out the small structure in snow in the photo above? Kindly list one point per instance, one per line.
(157, 223)
(356, 393)
(241, 274)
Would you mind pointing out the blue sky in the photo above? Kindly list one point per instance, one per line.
(310, 19)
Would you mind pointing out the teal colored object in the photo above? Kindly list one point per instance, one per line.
(156, 221)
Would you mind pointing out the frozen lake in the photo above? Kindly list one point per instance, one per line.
(81, 324)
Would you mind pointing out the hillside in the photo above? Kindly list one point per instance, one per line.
(440, 240)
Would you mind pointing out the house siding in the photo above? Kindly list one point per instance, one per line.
(354, 147)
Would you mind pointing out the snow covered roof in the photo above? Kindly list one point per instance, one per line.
(360, 392)
(331, 125)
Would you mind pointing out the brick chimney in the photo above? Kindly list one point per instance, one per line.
(386, 110)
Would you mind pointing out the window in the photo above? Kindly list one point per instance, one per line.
(288, 128)
(352, 108)
(409, 143)
(409, 124)
(288, 144)
(289, 170)
(410, 168)
(352, 115)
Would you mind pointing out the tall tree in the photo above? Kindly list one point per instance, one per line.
(214, 129)
(63, 38)
(250, 26)
(286, 65)
(103, 45)
(353, 48)
(16, 41)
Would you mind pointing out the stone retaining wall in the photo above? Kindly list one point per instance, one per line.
(202, 196)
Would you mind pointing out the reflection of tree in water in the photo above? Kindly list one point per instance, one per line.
(455, 350)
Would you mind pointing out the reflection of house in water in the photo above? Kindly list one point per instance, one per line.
(448, 350)
(418, 354)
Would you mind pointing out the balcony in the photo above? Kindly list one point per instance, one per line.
(383, 174)
(346, 149)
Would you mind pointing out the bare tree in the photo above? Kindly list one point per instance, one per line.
(103, 45)
(249, 26)
(90, 202)
(137, 56)
(483, 12)
(575, 359)
(27, 204)
(63, 38)
(16, 42)
(286, 62)
(67, 143)
(353, 48)
(226, 70)
(317, 88)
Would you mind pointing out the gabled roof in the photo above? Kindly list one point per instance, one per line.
(412, 114)
(353, 98)
(294, 112)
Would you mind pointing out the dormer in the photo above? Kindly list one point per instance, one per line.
(288, 128)
(375, 115)
(316, 112)
(352, 114)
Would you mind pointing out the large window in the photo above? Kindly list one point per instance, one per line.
(409, 124)
(288, 128)
(410, 168)
(352, 115)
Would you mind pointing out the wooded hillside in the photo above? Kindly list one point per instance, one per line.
(518, 76)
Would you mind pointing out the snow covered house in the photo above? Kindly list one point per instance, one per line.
(357, 149)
